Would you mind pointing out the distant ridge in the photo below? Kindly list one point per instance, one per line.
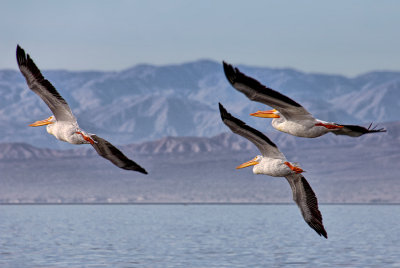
(201, 169)
(167, 145)
(225, 142)
(24, 151)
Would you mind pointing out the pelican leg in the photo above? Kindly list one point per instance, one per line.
(86, 138)
(297, 170)
(328, 126)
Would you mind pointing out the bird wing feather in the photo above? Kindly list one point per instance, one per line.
(43, 88)
(307, 202)
(256, 91)
(110, 152)
(263, 143)
(356, 131)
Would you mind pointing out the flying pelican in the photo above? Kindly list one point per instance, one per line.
(288, 116)
(62, 124)
(273, 163)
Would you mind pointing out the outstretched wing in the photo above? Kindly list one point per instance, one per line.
(306, 200)
(263, 143)
(356, 131)
(256, 91)
(111, 153)
(43, 88)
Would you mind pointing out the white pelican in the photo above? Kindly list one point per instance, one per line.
(273, 163)
(288, 116)
(62, 124)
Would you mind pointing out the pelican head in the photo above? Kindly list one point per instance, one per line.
(44, 122)
(267, 114)
(49, 122)
(255, 161)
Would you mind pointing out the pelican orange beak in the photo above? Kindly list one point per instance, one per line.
(252, 162)
(42, 122)
(266, 114)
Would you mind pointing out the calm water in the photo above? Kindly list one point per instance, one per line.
(197, 236)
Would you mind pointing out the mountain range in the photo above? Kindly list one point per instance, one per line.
(166, 118)
(149, 102)
(200, 169)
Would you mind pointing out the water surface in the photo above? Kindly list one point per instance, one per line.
(197, 236)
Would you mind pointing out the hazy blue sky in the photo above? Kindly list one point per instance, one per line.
(343, 37)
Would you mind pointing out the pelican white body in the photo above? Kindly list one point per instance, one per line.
(272, 167)
(67, 131)
(301, 128)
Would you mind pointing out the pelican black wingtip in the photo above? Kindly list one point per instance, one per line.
(224, 113)
(21, 56)
(374, 129)
(323, 233)
(230, 72)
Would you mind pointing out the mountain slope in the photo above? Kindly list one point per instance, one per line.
(148, 102)
(199, 169)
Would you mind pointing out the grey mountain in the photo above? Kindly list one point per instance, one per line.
(148, 102)
(201, 169)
